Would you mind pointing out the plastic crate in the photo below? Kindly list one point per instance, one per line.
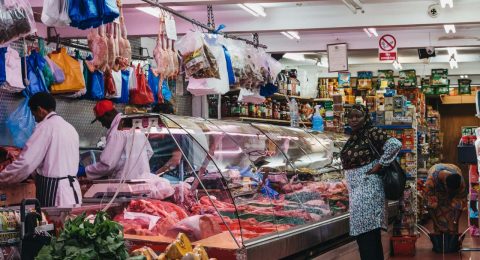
(404, 245)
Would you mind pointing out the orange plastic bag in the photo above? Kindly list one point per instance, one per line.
(142, 95)
(73, 74)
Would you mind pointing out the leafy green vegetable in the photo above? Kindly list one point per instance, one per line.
(82, 240)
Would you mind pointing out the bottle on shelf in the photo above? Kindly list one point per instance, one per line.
(317, 120)
(294, 120)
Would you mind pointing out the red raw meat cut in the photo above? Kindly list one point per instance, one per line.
(196, 227)
(183, 196)
(205, 206)
(8, 154)
(133, 226)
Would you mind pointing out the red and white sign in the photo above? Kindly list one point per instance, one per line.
(387, 48)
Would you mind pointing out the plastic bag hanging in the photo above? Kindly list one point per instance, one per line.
(21, 124)
(142, 95)
(16, 20)
(55, 13)
(13, 64)
(73, 75)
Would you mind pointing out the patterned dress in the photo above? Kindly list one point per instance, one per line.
(367, 199)
(444, 207)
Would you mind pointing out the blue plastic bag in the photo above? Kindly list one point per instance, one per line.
(3, 74)
(268, 191)
(84, 14)
(35, 77)
(97, 86)
(231, 74)
(125, 92)
(153, 83)
(166, 93)
(21, 124)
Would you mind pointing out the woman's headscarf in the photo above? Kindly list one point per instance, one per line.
(357, 151)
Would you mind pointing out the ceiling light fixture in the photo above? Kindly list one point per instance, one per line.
(254, 9)
(444, 3)
(354, 5)
(294, 56)
(450, 28)
(452, 52)
(397, 65)
(291, 35)
(370, 32)
(153, 11)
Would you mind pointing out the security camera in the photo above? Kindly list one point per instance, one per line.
(430, 50)
(434, 10)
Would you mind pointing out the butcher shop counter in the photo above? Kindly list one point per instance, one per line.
(298, 242)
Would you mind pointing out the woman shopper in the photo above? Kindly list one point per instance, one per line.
(365, 186)
(446, 197)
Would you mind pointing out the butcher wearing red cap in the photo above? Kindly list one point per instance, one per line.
(117, 155)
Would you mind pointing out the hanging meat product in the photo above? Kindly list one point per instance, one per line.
(111, 46)
(98, 45)
(125, 47)
(158, 52)
(176, 62)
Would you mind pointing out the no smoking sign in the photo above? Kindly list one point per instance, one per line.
(387, 48)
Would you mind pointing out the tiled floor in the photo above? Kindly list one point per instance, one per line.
(423, 252)
(424, 248)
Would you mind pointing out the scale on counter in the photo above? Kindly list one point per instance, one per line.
(107, 188)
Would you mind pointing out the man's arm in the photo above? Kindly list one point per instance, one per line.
(109, 158)
(29, 159)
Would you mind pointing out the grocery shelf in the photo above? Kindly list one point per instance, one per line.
(406, 151)
(394, 127)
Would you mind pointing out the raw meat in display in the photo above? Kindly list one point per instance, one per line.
(183, 196)
(196, 227)
(120, 61)
(8, 154)
(292, 187)
(99, 47)
(205, 206)
(158, 208)
(133, 226)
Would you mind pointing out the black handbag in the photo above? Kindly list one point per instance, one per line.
(393, 177)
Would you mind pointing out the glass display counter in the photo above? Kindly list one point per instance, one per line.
(252, 190)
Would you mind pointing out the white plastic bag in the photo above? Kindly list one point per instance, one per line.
(201, 87)
(55, 13)
(197, 57)
(13, 68)
(248, 96)
(160, 187)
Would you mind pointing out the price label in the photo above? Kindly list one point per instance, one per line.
(171, 28)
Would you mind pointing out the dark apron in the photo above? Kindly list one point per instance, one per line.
(47, 187)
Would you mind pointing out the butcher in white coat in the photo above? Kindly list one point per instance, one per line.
(52, 152)
(126, 153)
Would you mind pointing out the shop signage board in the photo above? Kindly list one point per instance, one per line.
(337, 57)
(387, 48)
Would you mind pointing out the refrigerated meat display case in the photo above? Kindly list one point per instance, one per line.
(243, 191)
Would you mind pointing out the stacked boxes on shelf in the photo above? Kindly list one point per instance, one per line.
(434, 137)
(338, 114)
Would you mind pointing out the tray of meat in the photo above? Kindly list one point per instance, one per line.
(8, 154)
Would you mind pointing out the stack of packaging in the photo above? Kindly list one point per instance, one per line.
(405, 224)
(338, 114)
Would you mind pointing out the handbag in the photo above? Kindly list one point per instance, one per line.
(393, 177)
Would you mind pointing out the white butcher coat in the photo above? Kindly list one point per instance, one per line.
(126, 153)
(53, 151)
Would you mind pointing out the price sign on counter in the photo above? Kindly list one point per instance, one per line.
(387, 48)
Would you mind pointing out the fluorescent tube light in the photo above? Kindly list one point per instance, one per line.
(294, 56)
(254, 9)
(294, 34)
(450, 28)
(353, 5)
(153, 11)
(452, 52)
(291, 35)
(444, 3)
(287, 35)
(370, 32)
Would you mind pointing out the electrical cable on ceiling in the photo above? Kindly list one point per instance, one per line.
(199, 24)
